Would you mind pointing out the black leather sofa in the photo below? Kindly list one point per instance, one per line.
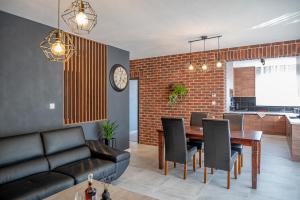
(37, 165)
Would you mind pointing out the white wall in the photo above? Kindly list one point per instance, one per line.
(133, 105)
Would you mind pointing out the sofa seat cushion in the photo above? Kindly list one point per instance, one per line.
(37, 186)
(79, 170)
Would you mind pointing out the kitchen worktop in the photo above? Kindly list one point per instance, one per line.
(262, 114)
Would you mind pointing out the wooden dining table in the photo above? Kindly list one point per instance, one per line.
(247, 138)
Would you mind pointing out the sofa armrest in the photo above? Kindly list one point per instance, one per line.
(99, 150)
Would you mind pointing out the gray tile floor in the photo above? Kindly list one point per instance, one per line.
(279, 178)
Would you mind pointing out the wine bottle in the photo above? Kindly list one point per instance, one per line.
(90, 192)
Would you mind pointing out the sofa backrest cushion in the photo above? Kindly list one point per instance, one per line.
(63, 139)
(65, 146)
(20, 148)
(68, 156)
(23, 169)
(21, 156)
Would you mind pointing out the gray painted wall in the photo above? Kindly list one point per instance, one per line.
(133, 105)
(118, 102)
(29, 83)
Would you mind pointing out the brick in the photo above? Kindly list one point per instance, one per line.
(155, 74)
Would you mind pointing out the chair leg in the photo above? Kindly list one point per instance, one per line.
(200, 158)
(194, 163)
(239, 164)
(235, 169)
(184, 170)
(212, 170)
(242, 160)
(166, 168)
(228, 180)
(205, 175)
(174, 164)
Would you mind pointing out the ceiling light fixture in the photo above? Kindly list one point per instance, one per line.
(191, 67)
(57, 45)
(80, 17)
(204, 67)
(219, 63)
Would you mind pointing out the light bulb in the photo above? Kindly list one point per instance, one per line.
(219, 64)
(58, 48)
(191, 67)
(204, 67)
(81, 19)
(213, 103)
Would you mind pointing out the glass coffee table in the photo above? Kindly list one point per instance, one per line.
(76, 192)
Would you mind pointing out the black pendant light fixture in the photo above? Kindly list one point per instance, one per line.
(80, 17)
(204, 67)
(58, 45)
(219, 63)
(191, 67)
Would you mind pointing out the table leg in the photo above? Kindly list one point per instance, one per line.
(255, 146)
(259, 156)
(161, 147)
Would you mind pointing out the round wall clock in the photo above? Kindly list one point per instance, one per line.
(118, 77)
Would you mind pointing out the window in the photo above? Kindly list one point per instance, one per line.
(277, 83)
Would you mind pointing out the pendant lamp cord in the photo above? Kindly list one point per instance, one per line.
(190, 53)
(218, 48)
(204, 49)
(58, 9)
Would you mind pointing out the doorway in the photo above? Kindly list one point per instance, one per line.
(134, 110)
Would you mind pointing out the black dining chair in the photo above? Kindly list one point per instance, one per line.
(217, 148)
(176, 148)
(196, 120)
(236, 124)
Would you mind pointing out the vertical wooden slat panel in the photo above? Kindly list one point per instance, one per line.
(75, 83)
(101, 81)
(73, 86)
(85, 82)
(105, 82)
(82, 79)
(65, 96)
(68, 92)
(88, 80)
(95, 78)
(91, 81)
(98, 81)
(85, 92)
(78, 80)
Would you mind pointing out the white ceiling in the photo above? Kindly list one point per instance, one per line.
(149, 28)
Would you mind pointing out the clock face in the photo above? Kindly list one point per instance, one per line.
(118, 77)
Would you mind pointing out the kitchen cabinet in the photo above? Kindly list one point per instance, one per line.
(269, 124)
(252, 122)
(244, 82)
(293, 138)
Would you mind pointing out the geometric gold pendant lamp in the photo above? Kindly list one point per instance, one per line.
(80, 17)
(58, 45)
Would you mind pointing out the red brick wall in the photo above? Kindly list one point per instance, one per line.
(155, 74)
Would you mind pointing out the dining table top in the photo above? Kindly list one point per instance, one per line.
(197, 132)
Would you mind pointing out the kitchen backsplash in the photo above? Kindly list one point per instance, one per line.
(249, 104)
